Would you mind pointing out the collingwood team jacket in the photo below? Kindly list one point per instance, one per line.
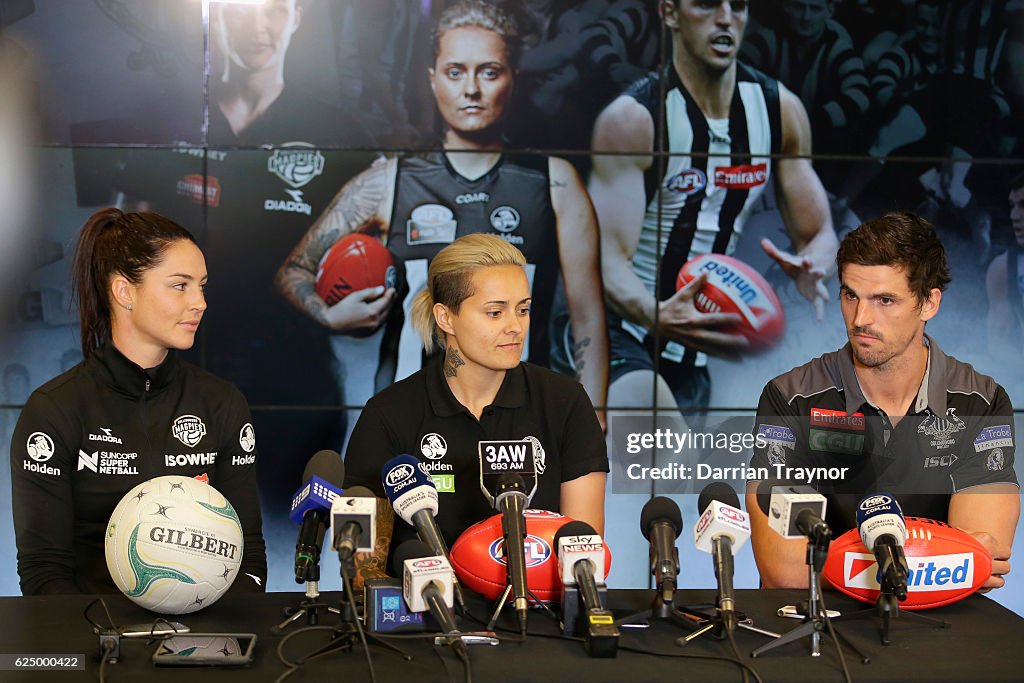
(88, 436)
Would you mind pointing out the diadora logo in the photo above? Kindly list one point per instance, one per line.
(294, 205)
(239, 460)
(472, 198)
(105, 436)
(690, 181)
(537, 551)
(188, 429)
(399, 474)
(741, 177)
(504, 219)
(428, 563)
(927, 574)
(296, 163)
(822, 417)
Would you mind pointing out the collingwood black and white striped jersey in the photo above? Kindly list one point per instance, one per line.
(700, 195)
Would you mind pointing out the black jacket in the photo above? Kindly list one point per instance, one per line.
(88, 436)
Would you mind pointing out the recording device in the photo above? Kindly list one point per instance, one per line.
(660, 523)
(411, 491)
(510, 500)
(883, 530)
(426, 582)
(110, 638)
(311, 507)
(581, 562)
(507, 457)
(722, 530)
(793, 511)
(353, 522)
(385, 610)
(206, 649)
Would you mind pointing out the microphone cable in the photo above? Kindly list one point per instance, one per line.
(832, 632)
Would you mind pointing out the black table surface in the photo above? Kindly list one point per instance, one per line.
(985, 643)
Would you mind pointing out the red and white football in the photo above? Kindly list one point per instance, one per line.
(946, 565)
(355, 262)
(479, 560)
(734, 287)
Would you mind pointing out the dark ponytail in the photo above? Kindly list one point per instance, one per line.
(112, 243)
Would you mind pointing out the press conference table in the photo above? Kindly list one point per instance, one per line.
(985, 643)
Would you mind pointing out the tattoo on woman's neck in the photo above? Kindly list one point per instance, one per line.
(452, 361)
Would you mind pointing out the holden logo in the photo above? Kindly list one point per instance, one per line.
(39, 446)
(875, 501)
(433, 446)
(247, 438)
(505, 219)
(399, 474)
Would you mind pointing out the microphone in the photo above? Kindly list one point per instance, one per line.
(793, 511)
(660, 523)
(311, 505)
(510, 500)
(353, 523)
(581, 563)
(884, 531)
(427, 582)
(722, 530)
(498, 458)
(411, 491)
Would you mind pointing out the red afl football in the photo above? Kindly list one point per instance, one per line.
(479, 560)
(945, 564)
(734, 287)
(353, 263)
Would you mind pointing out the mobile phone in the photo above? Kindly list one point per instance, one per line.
(206, 649)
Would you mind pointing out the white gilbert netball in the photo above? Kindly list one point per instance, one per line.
(173, 545)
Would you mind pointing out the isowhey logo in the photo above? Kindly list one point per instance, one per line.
(39, 446)
(293, 205)
(741, 177)
(247, 438)
(105, 436)
(296, 163)
(188, 429)
(190, 459)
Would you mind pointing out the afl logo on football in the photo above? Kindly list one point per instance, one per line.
(399, 474)
(39, 447)
(247, 438)
(296, 163)
(688, 182)
(188, 429)
(391, 278)
(536, 549)
(433, 446)
(505, 219)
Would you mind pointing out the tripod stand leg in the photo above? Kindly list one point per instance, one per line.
(498, 607)
(295, 616)
(806, 628)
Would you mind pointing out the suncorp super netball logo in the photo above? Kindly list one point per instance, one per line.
(536, 549)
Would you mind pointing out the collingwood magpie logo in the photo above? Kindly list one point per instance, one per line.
(540, 458)
(188, 429)
(942, 429)
(296, 163)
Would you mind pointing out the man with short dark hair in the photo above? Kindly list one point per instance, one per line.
(891, 408)
(1004, 282)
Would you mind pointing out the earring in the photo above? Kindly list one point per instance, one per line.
(129, 308)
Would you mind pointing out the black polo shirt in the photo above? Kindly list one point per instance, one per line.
(420, 416)
(814, 421)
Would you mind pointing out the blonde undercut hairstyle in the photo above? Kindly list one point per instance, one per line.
(450, 279)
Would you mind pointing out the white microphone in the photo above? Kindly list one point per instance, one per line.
(793, 511)
(581, 558)
(722, 530)
(353, 522)
(427, 582)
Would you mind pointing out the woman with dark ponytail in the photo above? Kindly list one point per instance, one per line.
(88, 436)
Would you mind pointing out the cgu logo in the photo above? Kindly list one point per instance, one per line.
(399, 474)
(536, 549)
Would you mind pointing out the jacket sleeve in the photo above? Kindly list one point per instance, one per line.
(42, 457)
(235, 477)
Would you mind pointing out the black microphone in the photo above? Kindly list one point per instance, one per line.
(660, 523)
(322, 479)
(510, 501)
(722, 529)
(883, 530)
(427, 581)
(581, 561)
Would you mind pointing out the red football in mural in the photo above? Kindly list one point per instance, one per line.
(945, 564)
(479, 561)
(355, 262)
(734, 287)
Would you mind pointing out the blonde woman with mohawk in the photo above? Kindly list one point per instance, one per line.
(476, 307)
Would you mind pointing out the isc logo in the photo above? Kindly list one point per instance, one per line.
(537, 550)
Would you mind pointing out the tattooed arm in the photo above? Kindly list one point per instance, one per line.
(580, 258)
(374, 565)
(366, 199)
